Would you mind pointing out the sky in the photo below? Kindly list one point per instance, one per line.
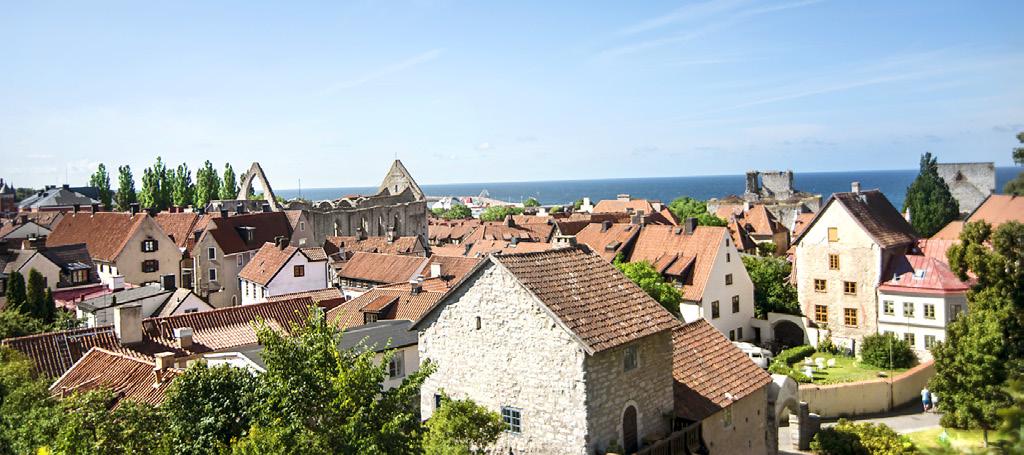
(331, 92)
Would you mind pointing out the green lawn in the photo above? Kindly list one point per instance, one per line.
(847, 369)
(960, 440)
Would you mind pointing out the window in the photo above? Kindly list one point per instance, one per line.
(629, 358)
(149, 246)
(728, 257)
(213, 274)
(479, 323)
(820, 313)
(955, 310)
(850, 287)
(302, 226)
(728, 279)
(833, 234)
(739, 333)
(888, 307)
(437, 401)
(909, 338)
(513, 419)
(714, 310)
(929, 341)
(908, 309)
(850, 317)
(889, 333)
(732, 335)
(150, 266)
(191, 310)
(929, 311)
(396, 368)
(735, 304)
(820, 285)
(211, 253)
(299, 270)
(833, 262)
(240, 260)
(369, 317)
(79, 276)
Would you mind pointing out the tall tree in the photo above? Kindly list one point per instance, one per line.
(35, 295)
(207, 185)
(165, 187)
(647, 277)
(224, 395)
(16, 296)
(182, 188)
(687, 207)
(149, 195)
(125, 188)
(228, 188)
(1016, 186)
(931, 204)
(984, 348)
(101, 180)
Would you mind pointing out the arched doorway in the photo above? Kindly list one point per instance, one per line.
(629, 433)
(788, 334)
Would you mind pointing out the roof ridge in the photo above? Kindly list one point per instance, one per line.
(114, 354)
(60, 332)
(209, 313)
(540, 253)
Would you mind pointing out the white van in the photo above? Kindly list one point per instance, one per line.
(761, 357)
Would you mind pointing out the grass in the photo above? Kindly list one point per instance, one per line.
(960, 440)
(847, 369)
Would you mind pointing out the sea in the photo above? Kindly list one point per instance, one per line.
(893, 183)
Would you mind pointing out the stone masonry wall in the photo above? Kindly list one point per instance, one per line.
(970, 183)
(745, 431)
(648, 387)
(520, 357)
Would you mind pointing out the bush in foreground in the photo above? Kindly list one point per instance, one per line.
(887, 351)
(848, 438)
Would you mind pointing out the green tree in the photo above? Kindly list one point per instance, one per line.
(165, 187)
(556, 209)
(35, 297)
(461, 427)
(182, 188)
(647, 277)
(766, 249)
(457, 212)
(22, 193)
(531, 202)
(101, 180)
(931, 204)
(207, 185)
(24, 402)
(17, 300)
(887, 351)
(773, 293)
(14, 323)
(84, 423)
(686, 207)
(851, 438)
(327, 400)
(984, 348)
(499, 212)
(1012, 426)
(1016, 186)
(149, 193)
(228, 188)
(223, 395)
(577, 204)
(125, 188)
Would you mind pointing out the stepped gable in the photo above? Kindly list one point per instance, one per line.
(706, 367)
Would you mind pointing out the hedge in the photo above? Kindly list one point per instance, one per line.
(875, 350)
(783, 363)
(848, 438)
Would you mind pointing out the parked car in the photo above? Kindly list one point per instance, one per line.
(761, 357)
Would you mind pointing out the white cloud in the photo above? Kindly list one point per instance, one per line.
(484, 146)
(394, 68)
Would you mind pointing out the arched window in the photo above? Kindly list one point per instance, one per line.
(629, 431)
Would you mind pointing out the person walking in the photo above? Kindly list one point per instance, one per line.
(926, 399)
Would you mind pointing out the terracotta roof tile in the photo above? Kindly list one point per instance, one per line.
(998, 209)
(397, 299)
(318, 295)
(950, 231)
(608, 239)
(802, 221)
(446, 231)
(498, 230)
(265, 264)
(400, 245)
(129, 378)
(53, 353)
(453, 266)
(595, 301)
(382, 268)
(655, 242)
(44, 218)
(314, 253)
(180, 227)
(616, 205)
(706, 367)
(104, 233)
(481, 248)
(266, 226)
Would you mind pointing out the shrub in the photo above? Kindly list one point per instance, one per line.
(783, 363)
(781, 368)
(848, 438)
(875, 350)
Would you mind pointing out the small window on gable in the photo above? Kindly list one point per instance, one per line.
(213, 274)
(833, 262)
(478, 323)
(299, 270)
(149, 246)
(629, 358)
(833, 234)
(728, 279)
(211, 253)
(302, 226)
(735, 304)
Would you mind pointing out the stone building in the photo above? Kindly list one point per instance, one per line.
(574, 356)
(773, 189)
(841, 258)
(8, 204)
(970, 183)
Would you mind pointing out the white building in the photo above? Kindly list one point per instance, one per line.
(920, 299)
(278, 269)
(385, 335)
(154, 300)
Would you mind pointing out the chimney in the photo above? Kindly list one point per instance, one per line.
(855, 187)
(690, 225)
(509, 221)
(183, 335)
(128, 323)
(116, 283)
(415, 286)
(223, 212)
(75, 208)
(66, 186)
(134, 208)
(435, 270)
(606, 225)
(265, 207)
(95, 207)
(163, 361)
(281, 242)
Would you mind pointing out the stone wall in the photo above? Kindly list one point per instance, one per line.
(867, 397)
(744, 431)
(777, 184)
(648, 388)
(407, 216)
(970, 183)
(520, 357)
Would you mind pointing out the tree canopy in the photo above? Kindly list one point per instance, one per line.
(531, 202)
(125, 188)
(1016, 186)
(647, 277)
(457, 212)
(229, 187)
(499, 212)
(101, 180)
(773, 293)
(931, 204)
(461, 427)
(686, 207)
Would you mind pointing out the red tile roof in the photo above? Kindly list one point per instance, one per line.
(802, 221)
(658, 244)
(481, 248)
(998, 209)
(950, 231)
(595, 301)
(400, 245)
(263, 266)
(266, 226)
(617, 205)
(105, 233)
(921, 275)
(129, 378)
(54, 352)
(706, 367)
(382, 268)
(608, 239)
(318, 295)
(445, 231)
(180, 227)
(499, 230)
(455, 267)
(875, 214)
(396, 301)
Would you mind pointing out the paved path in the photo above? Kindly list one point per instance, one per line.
(907, 419)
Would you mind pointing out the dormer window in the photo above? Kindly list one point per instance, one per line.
(149, 246)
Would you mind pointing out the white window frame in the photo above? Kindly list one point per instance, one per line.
(211, 253)
(212, 274)
(396, 367)
(513, 418)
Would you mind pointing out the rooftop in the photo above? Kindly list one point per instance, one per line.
(127, 377)
(671, 250)
(105, 234)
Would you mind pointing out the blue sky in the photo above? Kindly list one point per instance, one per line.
(482, 91)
